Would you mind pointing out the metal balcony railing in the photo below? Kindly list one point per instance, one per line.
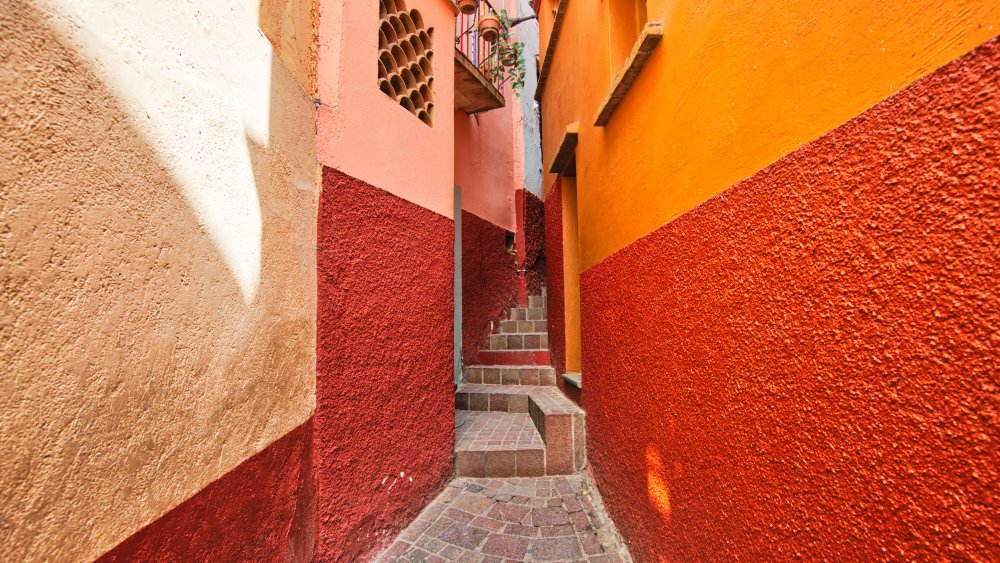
(484, 55)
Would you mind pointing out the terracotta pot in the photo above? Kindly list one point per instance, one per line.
(508, 56)
(489, 28)
(468, 7)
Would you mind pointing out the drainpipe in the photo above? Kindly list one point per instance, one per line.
(522, 19)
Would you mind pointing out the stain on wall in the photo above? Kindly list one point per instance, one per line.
(136, 371)
(489, 282)
(385, 391)
(805, 364)
(262, 510)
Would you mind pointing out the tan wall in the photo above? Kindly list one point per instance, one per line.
(158, 188)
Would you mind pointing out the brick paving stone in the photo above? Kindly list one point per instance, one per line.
(549, 516)
(473, 504)
(452, 553)
(572, 504)
(482, 431)
(506, 546)
(590, 544)
(581, 522)
(464, 535)
(509, 512)
(486, 520)
(554, 531)
(555, 549)
(519, 530)
(459, 515)
(488, 524)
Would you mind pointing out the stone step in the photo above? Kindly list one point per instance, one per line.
(513, 357)
(523, 327)
(559, 421)
(526, 341)
(536, 301)
(497, 444)
(511, 375)
(527, 314)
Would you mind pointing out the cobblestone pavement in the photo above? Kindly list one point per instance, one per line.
(517, 519)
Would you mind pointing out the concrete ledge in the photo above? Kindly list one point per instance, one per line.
(643, 48)
(574, 379)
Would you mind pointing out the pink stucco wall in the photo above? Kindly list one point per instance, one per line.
(364, 133)
(489, 155)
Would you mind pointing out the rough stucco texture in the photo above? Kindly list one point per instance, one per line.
(555, 277)
(385, 389)
(489, 282)
(135, 372)
(263, 510)
(805, 365)
(533, 231)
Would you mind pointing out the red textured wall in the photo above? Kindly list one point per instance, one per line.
(263, 510)
(489, 282)
(531, 252)
(555, 277)
(806, 365)
(384, 383)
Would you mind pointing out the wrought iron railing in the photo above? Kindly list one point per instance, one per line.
(481, 53)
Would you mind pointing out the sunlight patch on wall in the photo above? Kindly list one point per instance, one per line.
(197, 109)
(656, 482)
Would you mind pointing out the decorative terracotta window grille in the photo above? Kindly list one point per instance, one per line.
(405, 60)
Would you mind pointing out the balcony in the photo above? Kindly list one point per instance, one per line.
(478, 71)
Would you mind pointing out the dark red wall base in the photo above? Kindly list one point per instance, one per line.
(530, 244)
(384, 387)
(489, 282)
(555, 280)
(263, 510)
(805, 366)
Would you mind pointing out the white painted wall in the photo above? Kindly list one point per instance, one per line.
(527, 32)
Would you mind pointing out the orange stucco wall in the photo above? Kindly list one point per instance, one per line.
(361, 131)
(571, 274)
(733, 87)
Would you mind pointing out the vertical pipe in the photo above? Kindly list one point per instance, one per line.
(457, 318)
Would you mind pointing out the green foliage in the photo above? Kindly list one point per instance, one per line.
(511, 55)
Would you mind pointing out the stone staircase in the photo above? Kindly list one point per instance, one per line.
(511, 420)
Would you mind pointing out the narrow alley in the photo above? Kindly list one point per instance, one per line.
(499, 280)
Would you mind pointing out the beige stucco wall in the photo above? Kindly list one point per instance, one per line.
(158, 189)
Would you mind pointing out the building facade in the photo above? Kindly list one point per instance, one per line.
(248, 248)
(229, 275)
(770, 229)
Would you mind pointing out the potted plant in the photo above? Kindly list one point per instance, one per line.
(489, 27)
(468, 7)
(511, 54)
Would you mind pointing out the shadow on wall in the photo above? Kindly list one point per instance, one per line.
(134, 375)
(489, 282)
